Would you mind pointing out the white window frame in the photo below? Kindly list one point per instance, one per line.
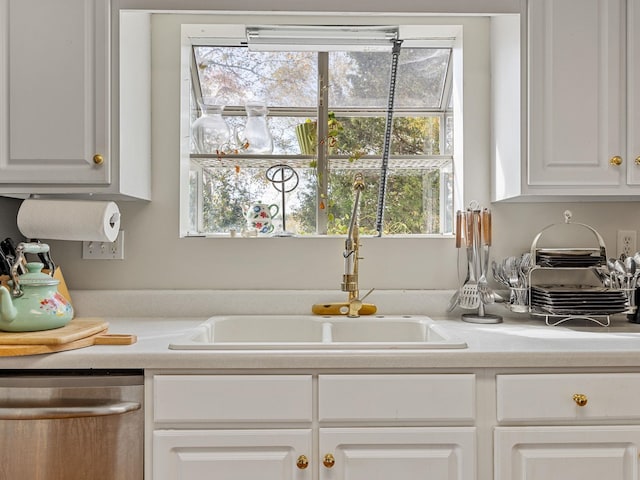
(412, 35)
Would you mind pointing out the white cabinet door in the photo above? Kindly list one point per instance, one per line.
(576, 95)
(411, 453)
(55, 91)
(231, 454)
(633, 92)
(561, 453)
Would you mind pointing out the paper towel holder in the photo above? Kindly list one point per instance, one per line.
(99, 250)
(114, 219)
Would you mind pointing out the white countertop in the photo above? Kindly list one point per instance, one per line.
(519, 342)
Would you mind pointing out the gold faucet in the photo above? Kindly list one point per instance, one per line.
(351, 254)
(354, 306)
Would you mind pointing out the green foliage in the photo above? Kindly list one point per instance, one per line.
(405, 213)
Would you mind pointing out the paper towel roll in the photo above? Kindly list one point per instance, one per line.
(69, 220)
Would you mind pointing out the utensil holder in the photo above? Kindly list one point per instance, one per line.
(634, 316)
(519, 299)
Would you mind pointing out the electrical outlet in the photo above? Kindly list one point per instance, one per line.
(626, 243)
(104, 250)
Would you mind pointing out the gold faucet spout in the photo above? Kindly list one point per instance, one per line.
(352, 251)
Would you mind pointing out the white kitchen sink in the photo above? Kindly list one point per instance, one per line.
(317, 332)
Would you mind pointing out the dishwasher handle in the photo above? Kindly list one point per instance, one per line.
(43, 412)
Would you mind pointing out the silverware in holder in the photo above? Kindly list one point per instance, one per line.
(513, 272)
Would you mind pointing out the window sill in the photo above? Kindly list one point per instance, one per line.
(315, 237)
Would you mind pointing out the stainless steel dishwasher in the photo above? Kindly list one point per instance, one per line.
(71, 425)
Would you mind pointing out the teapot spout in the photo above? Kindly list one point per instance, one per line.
(8, 311)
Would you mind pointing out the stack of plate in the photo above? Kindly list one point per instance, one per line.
(577, 300)
(569, 257)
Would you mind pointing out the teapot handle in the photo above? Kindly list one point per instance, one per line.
(273, 213)
(21, 249)
(32, 247)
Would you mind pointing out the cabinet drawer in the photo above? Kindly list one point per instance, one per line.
(397, 398)
(610, 396)
(232, 398)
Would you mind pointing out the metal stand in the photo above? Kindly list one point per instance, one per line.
(481, 316)
(605, 322)
(279, 175)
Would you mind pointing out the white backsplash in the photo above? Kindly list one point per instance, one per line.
(206, 303)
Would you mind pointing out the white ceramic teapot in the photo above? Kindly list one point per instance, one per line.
(260, 216)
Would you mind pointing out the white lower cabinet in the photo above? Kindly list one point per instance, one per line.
(307, 427)
(406, 453)
(268, 454)
(561, 453)
(441, 426)
(554, 427)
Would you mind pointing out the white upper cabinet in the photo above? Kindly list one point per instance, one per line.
(56, 112)
(579, 102)
(633, 92)
(58, 103)
(576, 93)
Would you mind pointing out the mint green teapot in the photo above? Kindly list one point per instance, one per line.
(34, 302)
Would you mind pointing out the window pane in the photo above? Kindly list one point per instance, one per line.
(234, 75)
(412, 205)
(410, 135)
(421, 77)
(361, 79)
(227, 192)
(282, 129)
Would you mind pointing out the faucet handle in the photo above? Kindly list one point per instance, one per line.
(367, 294)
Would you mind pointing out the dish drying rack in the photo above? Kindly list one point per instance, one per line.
(559, 303)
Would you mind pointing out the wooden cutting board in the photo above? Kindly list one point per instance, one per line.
(79, 333)
(74, 330)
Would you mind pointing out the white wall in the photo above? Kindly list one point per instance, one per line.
(156, 258)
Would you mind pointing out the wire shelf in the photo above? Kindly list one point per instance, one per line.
(399, 162)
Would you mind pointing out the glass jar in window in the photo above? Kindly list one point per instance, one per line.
(210, 132)
(256, 131)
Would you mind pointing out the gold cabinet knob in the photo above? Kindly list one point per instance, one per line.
(616, 161)
(302, 462)
(98, 159)
(580, 399)
(637, 161)
(328, 460)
